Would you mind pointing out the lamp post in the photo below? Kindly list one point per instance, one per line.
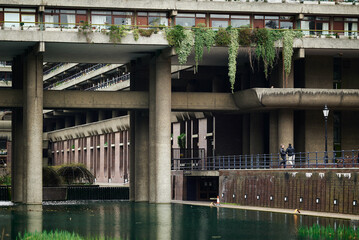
(326, 113)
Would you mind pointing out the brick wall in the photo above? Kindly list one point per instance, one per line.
(293, 189)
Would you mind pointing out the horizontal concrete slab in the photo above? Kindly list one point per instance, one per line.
(297, 98)
(193, 6)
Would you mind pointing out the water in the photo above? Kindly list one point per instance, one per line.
(125, 220)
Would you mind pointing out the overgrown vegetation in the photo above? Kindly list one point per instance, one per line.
(259, 44)
(54, 235)
(181, 141)
(75, 173)
(5, 180)
(116, 33)
(86, 29)
(321, 232)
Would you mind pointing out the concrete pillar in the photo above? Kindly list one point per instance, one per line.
(163, 129)
(101, 115)
(17, 163)
(78, 120)
(132, 156)
(68, 122)
(285, 127)
(115, 113)
(273, 132)
(256, 141)
(152, 132)
(33, 125)
(59, 124)
(141, 157)
(245, 134)
(89, 117)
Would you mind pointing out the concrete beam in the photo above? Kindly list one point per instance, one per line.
(193, 5)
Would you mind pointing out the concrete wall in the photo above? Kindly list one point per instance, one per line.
(319, 72)
(350, 130)
(260, 185)
(228, 134)
(315, 131)
(106, 155)
(350, 73)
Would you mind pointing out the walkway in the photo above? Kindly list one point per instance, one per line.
(276, 210)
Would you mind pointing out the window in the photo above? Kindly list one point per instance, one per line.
(67, 18)
(274, 22)
(152, 18)
(315, 25)
(122, 18)
(219, 20)
(239, 21)
(351, 26)
(190, 19)
(101, 18)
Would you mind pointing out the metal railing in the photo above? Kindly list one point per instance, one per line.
(77, 75)
(332, 159)
(111, 82)
(53, 68)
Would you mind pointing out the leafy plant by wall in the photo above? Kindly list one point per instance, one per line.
(222, 38)
(181, 141)
(146, 32)
(116, 33)
(287, 52)
(136, 34)
(203, 37)
(232, 57)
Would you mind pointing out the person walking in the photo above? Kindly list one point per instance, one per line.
(283, 155)
(291, 156)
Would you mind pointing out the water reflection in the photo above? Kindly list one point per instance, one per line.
(125, 220)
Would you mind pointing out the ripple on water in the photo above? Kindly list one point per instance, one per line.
(6, 203)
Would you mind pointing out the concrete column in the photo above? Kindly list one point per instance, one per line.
(163, 129)
(273, 132)
(256, 141)
(68, 122)
(152, 132)
(17, 163)
(132, 156)
(33, 125)
(115, 113)
(141, 157)
(101, 115)
(78, 120)
(245, 134)
(89, 117)
(58, 124)
(285, 127)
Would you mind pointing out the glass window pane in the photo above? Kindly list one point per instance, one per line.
(28, 10)
(28, 19)
(200, 15)
(81, 11)
(156, 21)
(67, 20)
(142, 14)
(240, 23)
(273, 24)
(185, 22)
(309, 18)
(219, 24)
(185, 15)
(351, 19)
(322, 18)
(272, 17)
(101, 12)
(11, 9)
(50, 21)
(338, 19)
(122, 13)
(286, 18)
(157, 14)
(12, 19)
(1, 9)
(286, 25)
(240, 17)
(67, 11)
(122, 21)
(219, 16)
(258, 17)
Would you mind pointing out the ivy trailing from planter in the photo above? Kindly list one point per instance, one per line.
(287, 52)
(202, 37)
(182, 40)
(86, 29)
(232, 56)
(136, 34)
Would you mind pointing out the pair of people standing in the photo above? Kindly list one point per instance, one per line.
(283, 154)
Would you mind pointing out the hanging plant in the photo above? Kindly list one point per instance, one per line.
(222, 38)
(116, 33)
(181, 141)
(232, 57)
(175, 36)
(185, 47)
(202, 37)
(265, 48)
(287, 52)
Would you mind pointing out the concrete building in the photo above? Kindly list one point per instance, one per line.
(92, 127)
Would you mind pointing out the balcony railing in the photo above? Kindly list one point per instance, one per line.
(110, 83)
(333, 159)
(75, 76)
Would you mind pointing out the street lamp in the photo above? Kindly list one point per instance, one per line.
(326, 113)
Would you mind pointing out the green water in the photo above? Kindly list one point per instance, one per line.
(125, 220)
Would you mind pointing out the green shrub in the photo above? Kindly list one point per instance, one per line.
(146, 32)
(75, 173)
(222, 38)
